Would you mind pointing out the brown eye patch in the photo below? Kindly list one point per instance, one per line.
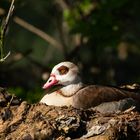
(63, 70)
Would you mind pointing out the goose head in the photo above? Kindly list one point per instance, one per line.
(64, 74)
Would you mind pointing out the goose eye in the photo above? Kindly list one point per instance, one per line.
(63, 70)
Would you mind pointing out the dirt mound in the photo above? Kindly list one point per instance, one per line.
(22, 121)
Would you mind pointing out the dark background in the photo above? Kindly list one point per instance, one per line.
(101, 36)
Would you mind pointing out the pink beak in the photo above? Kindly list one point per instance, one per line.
(51, 82)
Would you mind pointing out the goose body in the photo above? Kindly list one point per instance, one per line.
(73, 92)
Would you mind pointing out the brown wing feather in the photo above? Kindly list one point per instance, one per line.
(94, 95)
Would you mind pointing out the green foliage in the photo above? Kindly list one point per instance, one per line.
(30, 96)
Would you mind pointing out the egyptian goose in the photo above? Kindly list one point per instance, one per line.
(72, 92)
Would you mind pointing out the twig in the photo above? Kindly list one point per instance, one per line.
(130, 109)
(3, 31)
(9, 103)
(38, 32)
(6, 21)
(4, 58)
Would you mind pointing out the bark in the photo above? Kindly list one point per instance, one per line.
(22, 121)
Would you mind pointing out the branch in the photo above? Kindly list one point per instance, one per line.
(6, 21)
(38, 32)
(3, 29)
